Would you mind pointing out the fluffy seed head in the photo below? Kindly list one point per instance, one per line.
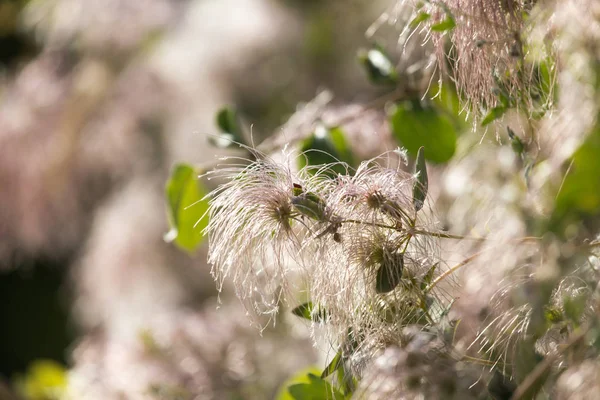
(251, 237)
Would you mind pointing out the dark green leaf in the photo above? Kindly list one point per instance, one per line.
(335, 363)
(389, 275)
(422, 16)
(493, 115)
(338, 138)
(317, 389)
(421, 181)
(304, 310)
(326, 147)
(186, 207)
(229, 124)
(416, 126)
(378, 66)
(307, 311)
(515, 141)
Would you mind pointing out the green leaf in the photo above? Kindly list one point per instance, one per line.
(446, 98)
(553, 315)
(186, 207)
(447, 24)
(309, 205)
(308, 311)
(316, 389)
(517, 144)
(326, 146)
(389, 274)
(421, 182)
(579, 197)
(428, 278)
(494, 114)
(338, 138)
(416, 126)
(44, 380)
(229, 124)
(574, 306)
(335, 363)
(304, 310)
(300, 377)
(378, 66)
(422, 16)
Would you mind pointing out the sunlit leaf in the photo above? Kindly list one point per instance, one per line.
(186, 207)
(422, 16)
(229, 124)
(326, 146)
(494, 114)
(378, 66)
(44, 380)
(307, 385)
(415, 126)
(446, 24)
(335, 363)
(316, 389)
(421, 181)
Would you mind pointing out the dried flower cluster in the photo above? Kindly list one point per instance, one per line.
(421, 368)
(356, 243)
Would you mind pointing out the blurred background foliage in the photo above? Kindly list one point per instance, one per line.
(97, 101)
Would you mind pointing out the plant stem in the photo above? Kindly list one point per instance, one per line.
(452, 270)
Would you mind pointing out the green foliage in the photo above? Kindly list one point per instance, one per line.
(326, 146)
(186, 207)
(494, 114)
(307, 385)
(579, 195)
(310, 205)
(574, 306)
(44, 380)
(378, 66)
(515, 141)
(333, 366)
(447, 23)
(421, 182)
(415, 125)
(308, 311)
(315, 389)
(420, 17)
(228, 122)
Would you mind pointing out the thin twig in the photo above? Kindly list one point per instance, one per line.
(452, 270)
